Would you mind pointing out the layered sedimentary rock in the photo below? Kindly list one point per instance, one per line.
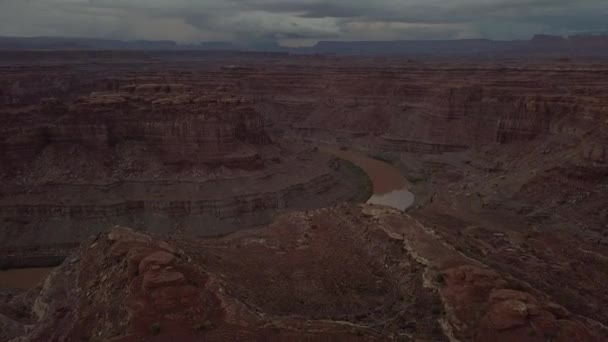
(55, 214)
(439, 108)
(167, 156)
(409, 106)
(506, 241)
(181, 126)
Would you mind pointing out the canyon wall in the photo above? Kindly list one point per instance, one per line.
(221, 130)
(404, 105)
(242, 126)
(144, 152)
(421, 108)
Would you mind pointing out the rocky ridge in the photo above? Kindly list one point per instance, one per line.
(127, 286)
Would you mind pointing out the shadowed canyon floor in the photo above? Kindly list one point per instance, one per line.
(234, 176)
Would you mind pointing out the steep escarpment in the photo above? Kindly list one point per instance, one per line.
(433, 107)
(197, 128)
(405, 106)
(436, 106)
(64, 213)
(162, 156)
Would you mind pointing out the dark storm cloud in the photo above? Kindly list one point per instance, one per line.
(430, 12)
(305, 20)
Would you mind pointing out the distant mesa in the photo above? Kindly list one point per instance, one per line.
(591, 45)
(548, 39)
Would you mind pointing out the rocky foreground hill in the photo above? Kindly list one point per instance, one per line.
(345, 273)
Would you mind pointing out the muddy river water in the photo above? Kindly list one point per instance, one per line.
(390, 186)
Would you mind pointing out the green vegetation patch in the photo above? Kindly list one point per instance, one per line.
(155, 329)
(365, 187)
(417, 179)
(385, 158)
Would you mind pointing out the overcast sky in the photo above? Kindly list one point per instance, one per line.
(300, 22)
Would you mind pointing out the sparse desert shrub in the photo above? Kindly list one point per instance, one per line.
(384, 158)
(439, 278)
(155, 328)
(206, 325)
(437, 309)
(417, 179)
(531, 234)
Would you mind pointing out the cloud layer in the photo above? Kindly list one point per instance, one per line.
(297, 22)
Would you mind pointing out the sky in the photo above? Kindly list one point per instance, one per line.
(300, 22)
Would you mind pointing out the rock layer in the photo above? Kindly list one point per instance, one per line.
(169, 156)
(385, 277)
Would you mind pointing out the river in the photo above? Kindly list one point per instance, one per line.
(390, 186)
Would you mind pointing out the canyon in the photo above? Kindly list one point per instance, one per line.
(221, 197)
(164, 156)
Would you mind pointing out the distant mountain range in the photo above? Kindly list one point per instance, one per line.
(539, 45)
(64, 43)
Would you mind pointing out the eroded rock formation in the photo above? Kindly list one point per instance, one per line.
(168, 156)
(387, 278)
(506, 240)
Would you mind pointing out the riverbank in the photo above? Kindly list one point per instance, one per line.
(418, 174)
(24, 278)
(378, 182)
(365, 189)
(390, 186)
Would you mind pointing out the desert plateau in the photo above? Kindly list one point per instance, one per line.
(275, 196)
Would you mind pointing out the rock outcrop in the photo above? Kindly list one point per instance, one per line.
(432, 107)
(179, 126)
(344, 273)
(145, 153)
